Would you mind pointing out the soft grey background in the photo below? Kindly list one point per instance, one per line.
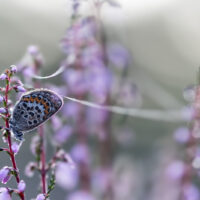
(163, 38)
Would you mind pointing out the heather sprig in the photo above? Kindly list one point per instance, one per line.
(89, 77)
(13, 148)
(38, 143)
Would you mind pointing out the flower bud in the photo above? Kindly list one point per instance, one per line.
(40, 197)
(1, 99)
(5, 175)
(33, 50)
(21, 186)
(3, 76)
(4, 194)
(20, 88)
(13, 68)
(2, 110)
(30, 168)
(15, 147)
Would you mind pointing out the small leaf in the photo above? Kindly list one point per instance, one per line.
(51, 185)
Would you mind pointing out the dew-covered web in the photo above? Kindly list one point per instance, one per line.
(151, 114)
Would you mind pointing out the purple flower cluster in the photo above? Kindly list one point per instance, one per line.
(89, 76)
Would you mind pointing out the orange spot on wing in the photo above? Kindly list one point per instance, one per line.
(42, 101)
(25, 99)
(31, 99)
(36, 99)
(45, 106)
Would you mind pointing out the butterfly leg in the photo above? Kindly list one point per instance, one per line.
(18, 135)
(7, 129)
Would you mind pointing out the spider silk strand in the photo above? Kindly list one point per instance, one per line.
(158, 115)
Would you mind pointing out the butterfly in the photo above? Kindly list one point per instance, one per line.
(33, 109)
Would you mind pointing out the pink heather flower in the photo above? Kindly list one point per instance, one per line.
(13, 68)
(118, 55)
(101, 133)
(92, 56)
(33, 50)
(69, 160)
(5, 175)
(2, 110)
(71, 109)
(56, 122)
(66, 176)
(1, 99)
(188, 113)
(87, 30)
(30, 169)
(3, 76)
(101, 179)
(16, 81)
(40, 197)
(191, 192)
(82, 33)
(4, 194)
(15, 147)
(175, 170)
(80, 195)
(101, 79)
(27, 72)
(21, 186)
(65, 157)
(80, 153)
(63, 134)
(182, 135)
(75, 80)
(34, 144)
(96, 116)
(20, 88)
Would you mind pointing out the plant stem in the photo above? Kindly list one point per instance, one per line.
(42, 139)
(192, 146)
(11, 153)
(42, 160)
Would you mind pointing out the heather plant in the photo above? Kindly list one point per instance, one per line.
(13, 84)
(184, 170)
(89, 77)
(12, 147)
(83, 142)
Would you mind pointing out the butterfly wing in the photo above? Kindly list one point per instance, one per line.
(34, 108)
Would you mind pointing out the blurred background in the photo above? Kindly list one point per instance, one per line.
(162, 39)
